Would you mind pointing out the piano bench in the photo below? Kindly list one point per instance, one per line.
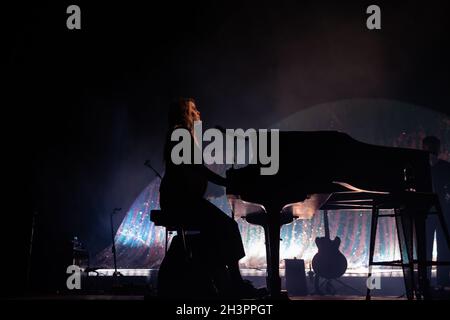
(165, 219)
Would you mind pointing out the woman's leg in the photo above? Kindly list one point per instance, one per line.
(223, 249)
(223, 237)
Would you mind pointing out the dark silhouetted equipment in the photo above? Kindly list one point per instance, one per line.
(80, 255)
(330, 162)
(410, 210)
(296, 277)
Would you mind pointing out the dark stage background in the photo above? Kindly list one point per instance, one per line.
(89, 105)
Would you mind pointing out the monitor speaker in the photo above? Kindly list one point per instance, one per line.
(296, 277)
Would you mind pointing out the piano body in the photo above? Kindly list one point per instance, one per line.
(328, 162)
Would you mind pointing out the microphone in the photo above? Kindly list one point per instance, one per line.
(116, 210)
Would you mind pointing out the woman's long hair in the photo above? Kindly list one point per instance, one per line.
(178, 117)
(178, 114)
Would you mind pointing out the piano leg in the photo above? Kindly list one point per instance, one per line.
(268, 257)
(273, 271)
(273, 253)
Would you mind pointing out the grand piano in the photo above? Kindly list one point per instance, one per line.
(328, 162)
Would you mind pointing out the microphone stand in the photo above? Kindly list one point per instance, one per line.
(30, 252)
(116, 273)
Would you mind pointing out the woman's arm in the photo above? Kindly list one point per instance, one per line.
(205, 171)
(211, 175)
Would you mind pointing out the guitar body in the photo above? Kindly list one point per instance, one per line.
(329, 262)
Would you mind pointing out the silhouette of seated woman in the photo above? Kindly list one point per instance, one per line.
(182, 194)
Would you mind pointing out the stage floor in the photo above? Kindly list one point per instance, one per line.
(141, 284)
(110, 297)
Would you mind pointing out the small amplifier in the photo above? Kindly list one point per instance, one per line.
(295, 277)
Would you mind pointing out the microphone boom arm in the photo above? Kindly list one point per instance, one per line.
(147, 164)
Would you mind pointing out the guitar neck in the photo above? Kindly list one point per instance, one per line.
(326, 226)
